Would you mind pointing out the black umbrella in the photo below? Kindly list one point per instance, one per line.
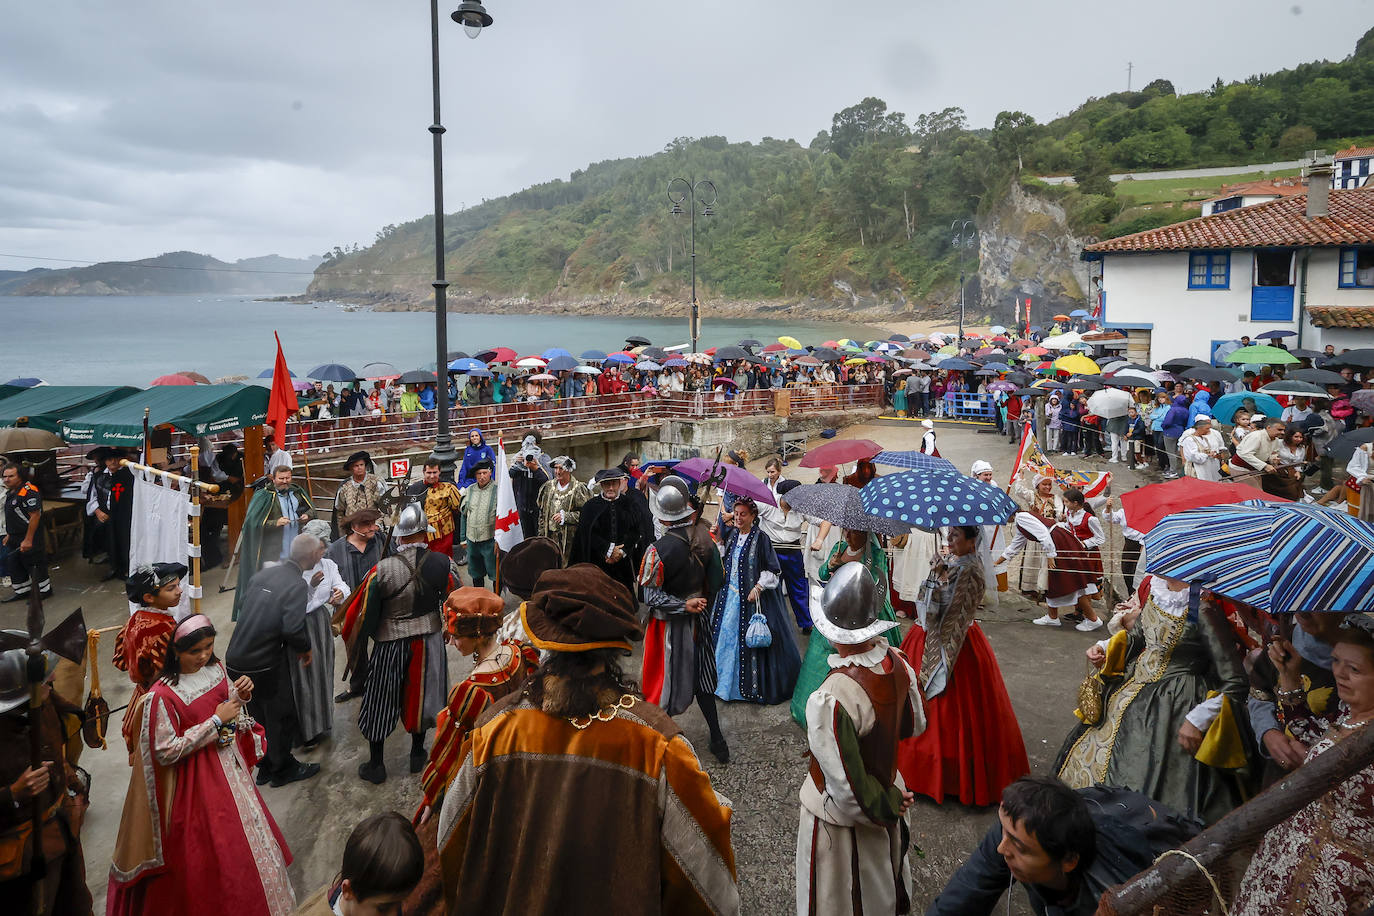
(899, 337)
(1103, 360)
(1053, 384)
(458, 354)
(1137, 366)
(1086, 383)
(484, 356)
(1343, 446)
(417, 377)
(1032, 392)
(728, 353)
(638, 341)
(825, 354)
(1357, 359)
(838, 504)
(1016, 376)
(750, 342)
(655, 353)
(955, 364)
(1316, 376)
(1175, 365)
(1207, 374)
(1305, 354)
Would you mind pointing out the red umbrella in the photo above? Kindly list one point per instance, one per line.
(711, 351)
(1036, 351)
(774, 348)
(1146, 506)
(171, 380)
(841, 451)
(501, 354)
(830, 343)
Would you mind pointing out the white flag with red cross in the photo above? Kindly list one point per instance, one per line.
(508, 530)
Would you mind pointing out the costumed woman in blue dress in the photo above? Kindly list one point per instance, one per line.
(765, 675)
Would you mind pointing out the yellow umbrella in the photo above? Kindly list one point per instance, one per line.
(790, 342)
(846, 342)
(1077, 364)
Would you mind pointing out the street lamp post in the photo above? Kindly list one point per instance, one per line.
(473, 17)
(698, 192)
(965, 236)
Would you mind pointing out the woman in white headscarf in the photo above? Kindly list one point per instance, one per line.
(928, 446)
(988, 537)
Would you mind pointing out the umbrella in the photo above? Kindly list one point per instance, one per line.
(1300, 353)
(1018, 377)
(902, 337)
(1317, 376)
(930, 500)
(1363, 400)
(1280, 558)
(1224, 408)
(723, 354)
(1356, 359)
(1060, 317)
(986, 372)
(1263, 355)
(1344, 445)
(648, 365)
(531, 362)
(28, 439)
(915, 353)
(637, 341)
(267, 373)
(468, 364)
(1076, 363)
(791, 342)
(1032, 352)
(562, 364)
(674, 362)
(1079, 383)
(996, 329)
(1062, 341)
(1080, 313)
(498, 355)
(826, 354)
(724, 382)
(1275, 335)
(855, 361)
(1001, 385)
(729, 477)
(1184, 362)
(955, 364)
(839, 504)
(1032, 392)
(456, 354)
(587, 370)
(170, 380)
(552, 352)
(1110, 402)
(197, 377)
(915, 461)
(26, 382)
(328, 372)
(808, 361)
(230, 379)
(1208, 374)
(1133, 377)
(596, 355)
(699, 358)
(484, 372)
(1146, 506)
(775, 348)
(841, 451)
(300, 385)
(658, 354)
(541, 377)
(620, 359)
(417, 377)
(750, 342)
(379, 370)
(1295, 388)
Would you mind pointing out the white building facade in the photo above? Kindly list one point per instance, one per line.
(1182, 290)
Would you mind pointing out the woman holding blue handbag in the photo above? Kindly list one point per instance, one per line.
(756, 652)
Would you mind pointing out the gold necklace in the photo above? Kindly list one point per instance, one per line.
(606, 714)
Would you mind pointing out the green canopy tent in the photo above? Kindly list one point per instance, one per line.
(200, 410)
(10, 390)
(46, 406)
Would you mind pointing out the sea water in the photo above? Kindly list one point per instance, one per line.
(130, 340)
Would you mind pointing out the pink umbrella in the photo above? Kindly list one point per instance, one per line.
(171, 380)
(736, 480)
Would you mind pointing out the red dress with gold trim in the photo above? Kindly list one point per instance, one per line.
(140, 648)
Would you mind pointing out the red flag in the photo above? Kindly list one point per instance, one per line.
(281, 403)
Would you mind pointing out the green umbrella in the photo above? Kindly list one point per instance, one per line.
(1263, 355)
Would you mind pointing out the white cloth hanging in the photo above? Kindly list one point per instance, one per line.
(160, 532)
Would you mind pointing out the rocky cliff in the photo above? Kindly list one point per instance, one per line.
(1026, 248)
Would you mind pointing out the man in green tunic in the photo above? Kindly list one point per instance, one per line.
(275, 516)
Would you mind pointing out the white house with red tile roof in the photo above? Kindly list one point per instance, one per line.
(1303, 263)
(1249, 193)
(1351, 167)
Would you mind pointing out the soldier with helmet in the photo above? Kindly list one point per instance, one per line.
(853, 836)
(680, 576)
(398, 606)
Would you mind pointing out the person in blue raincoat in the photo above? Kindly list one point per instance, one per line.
(477, 450)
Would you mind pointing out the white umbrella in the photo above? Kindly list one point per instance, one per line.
(648, 365)
(587, 370)
(1109, 402)
(531, 362)
(1062, 341)
(702, 358)
(1134, 377)
(1295, 388)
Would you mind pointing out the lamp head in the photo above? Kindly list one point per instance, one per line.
(472, 16)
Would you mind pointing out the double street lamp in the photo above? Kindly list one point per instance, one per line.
(965, 236)
(693, 193)
(473, 17)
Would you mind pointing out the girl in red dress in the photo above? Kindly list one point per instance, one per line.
(195, 836)
(1083, 561)
(972, 747)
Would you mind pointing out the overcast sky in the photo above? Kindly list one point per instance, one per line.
(248, 128)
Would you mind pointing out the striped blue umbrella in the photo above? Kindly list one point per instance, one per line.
(935, 499)
(1320, 560)
(1225, 548)
(915, 461)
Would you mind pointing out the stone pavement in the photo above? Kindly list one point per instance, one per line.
(1041, 667)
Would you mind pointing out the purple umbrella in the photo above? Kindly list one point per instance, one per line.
(731, 478)
(1001, 385)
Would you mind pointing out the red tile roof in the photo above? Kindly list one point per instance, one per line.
(1281, 223)
(1341, 316)
(1355, 152)
(1275, 187)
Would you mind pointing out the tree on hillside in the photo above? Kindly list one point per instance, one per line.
(1012, 132)
(1297, 140)
(866, 123)
(1159, 87)
(937, 128)
(1365, 46)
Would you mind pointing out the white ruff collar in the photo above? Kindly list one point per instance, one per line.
(872, 658)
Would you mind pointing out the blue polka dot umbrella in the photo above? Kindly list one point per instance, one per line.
(931, 500)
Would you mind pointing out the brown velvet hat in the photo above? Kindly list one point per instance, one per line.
(526, 562)
(579, 609)
(472, 611)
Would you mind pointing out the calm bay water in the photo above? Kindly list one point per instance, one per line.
(130, 340)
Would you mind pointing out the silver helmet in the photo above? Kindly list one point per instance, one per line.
(671, 502)
(14, 682)
(412, 521)
(849, 607)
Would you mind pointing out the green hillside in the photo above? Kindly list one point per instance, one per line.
(867, 204)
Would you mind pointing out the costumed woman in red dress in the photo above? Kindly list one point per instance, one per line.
(972, 747)
(195, 836)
